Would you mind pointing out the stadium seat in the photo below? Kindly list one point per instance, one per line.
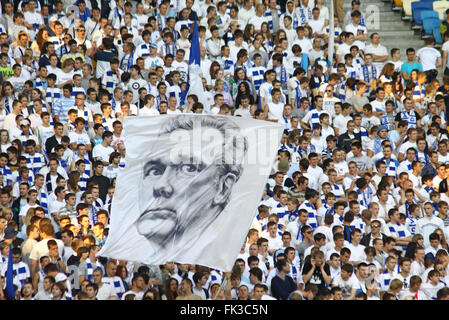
(396, 5)
(440, 4)
(441, 13)
(417, 8)
(407, 6)
(437, 36)
(429, 14)
(430, 23)
(441, 7)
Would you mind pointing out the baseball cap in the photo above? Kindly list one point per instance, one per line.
(382, 127)
(10, 233)
(24, 122)
(60, 277)
(70, 9)
(154, 45)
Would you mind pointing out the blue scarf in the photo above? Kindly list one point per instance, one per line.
(366, 75)
(174, 49)
(426, 158)
(365, 203)
(409, 117)
(8, 105)
(284, 76)
(129, 63)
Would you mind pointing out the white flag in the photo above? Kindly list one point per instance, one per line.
(190, 188)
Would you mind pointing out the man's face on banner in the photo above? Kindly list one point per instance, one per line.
(183, 188)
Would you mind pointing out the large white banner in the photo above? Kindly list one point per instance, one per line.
(190, 188)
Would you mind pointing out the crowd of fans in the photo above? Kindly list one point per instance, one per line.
(356, 206)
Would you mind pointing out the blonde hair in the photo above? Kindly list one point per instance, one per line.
(5, 211)
(30, 213)
(443, 241)
(395, 284)
(68, 62)
(218, 82)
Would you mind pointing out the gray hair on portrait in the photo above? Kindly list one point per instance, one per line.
(235, 144)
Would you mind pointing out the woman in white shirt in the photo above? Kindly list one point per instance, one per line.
(4, 136)
(386, 73)
(65, 76)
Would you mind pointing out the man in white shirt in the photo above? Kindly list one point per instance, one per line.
(345, 47)
(102, 150)
(304, 43)
(428, 223)
(395, 59)
(275, 109)
(316, 23)
(105, 290)
(360, 32)
(248, 11)
(357, 250)
(378, 52)
(430, 59)
(259, 18)
(341, 120)
(274, 239)
(346, 281)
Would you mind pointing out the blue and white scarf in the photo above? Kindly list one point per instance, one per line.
(366, 75)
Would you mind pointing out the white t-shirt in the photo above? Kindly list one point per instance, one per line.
(148, 112)
(346, 285)
(105, 292)
(341, 122)
(380, 50)
(403, 148)
(357, 252)
(275, 110)
(428, 57)
(446, 48)
(257, 21)
(41, 249)
(101, 152)
(79, 138)
(316, 25)
(356, 30)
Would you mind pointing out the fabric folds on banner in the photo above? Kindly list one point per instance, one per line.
(190, 188)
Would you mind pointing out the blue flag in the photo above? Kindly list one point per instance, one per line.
(9, 277)
(195, 57)
(194, 81)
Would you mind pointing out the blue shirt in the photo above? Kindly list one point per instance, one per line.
(62, 107)
(407, 67)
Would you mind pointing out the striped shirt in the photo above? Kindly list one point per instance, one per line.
(257, 76)
(62, 107)
(35, 162)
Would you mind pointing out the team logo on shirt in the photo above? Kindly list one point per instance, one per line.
(135, 85)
